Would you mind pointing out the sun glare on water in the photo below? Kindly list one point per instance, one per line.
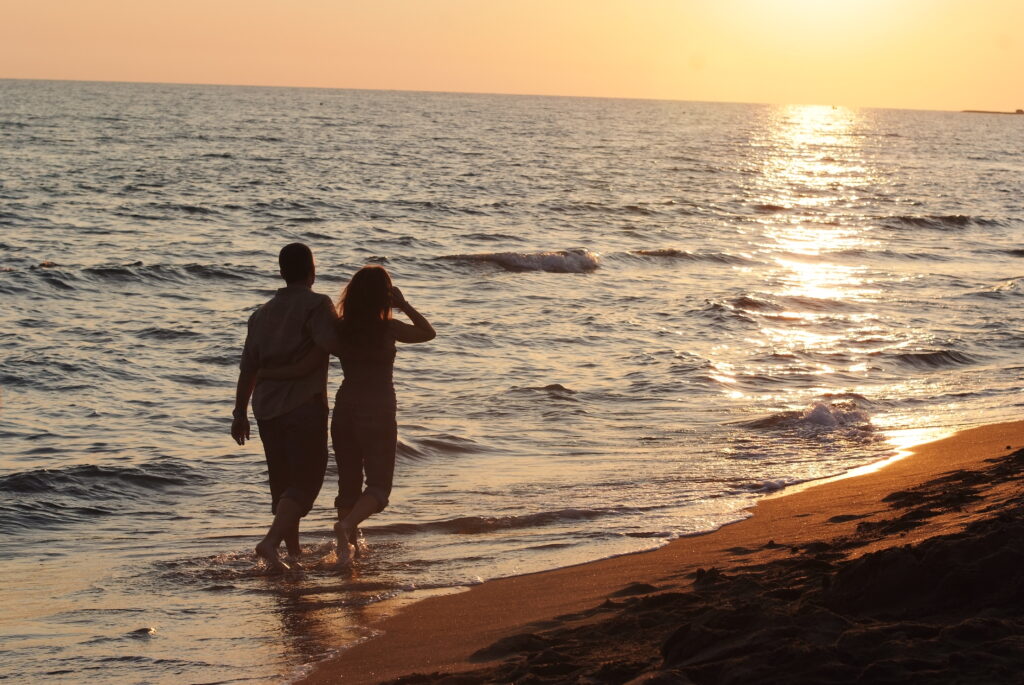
(813, 170)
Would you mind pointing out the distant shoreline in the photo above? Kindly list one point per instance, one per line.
(986, 111)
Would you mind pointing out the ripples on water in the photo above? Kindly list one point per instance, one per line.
(649, 314)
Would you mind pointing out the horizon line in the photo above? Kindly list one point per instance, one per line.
(473, 92)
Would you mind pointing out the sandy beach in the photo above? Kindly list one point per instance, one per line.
(908, 573)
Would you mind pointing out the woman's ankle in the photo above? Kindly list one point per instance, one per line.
(342, 528)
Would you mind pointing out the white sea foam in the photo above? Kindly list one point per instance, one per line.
(833, 415)
(818, 417)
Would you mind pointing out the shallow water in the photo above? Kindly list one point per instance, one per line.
(649, 314)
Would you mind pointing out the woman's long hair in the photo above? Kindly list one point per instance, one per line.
(364, 307)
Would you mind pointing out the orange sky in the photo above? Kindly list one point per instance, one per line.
(930, 54)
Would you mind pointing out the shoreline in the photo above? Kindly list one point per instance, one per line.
(487, 625)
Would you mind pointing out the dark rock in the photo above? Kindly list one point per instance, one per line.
(634, 589)
(514, 644)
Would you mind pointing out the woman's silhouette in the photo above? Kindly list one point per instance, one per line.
(363, 427)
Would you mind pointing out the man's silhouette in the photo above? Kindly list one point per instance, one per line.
(292, 413)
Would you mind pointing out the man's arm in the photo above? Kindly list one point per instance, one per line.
(323, 327)
(243, 391)
(313, 360)
(248, 369)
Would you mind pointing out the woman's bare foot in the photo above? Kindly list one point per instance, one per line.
(268, 553)
(346, 551)
(355, 536)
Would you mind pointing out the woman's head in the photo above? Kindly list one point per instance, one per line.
(367, 297)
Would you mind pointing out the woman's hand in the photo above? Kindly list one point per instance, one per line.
(419, 331)
(398, 300)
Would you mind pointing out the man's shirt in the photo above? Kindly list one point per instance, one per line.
(283, 331)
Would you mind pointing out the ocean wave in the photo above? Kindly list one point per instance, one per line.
(185, 208)
(25, 514)
(214, 271)
(798, 303)
(88, 480)
(219, 358)
(493, 237)
(819, 416)
(139, 272)
(555, 391)
(440, 445)
(476, 525)
(750, 303)
(673, 253)
(893, 254)
(938, 222)
(768, 208)
(639, 209)
(74, 494)
(721, 314)
(933, 359)
(1013, 287)
(762, 487)
(158, 333)
(433, 205)
(560, 261)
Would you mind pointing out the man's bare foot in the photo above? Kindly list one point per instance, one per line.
(268, 553)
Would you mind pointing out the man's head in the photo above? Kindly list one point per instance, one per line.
(296, 262)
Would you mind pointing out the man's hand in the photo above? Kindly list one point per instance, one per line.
(240, 429)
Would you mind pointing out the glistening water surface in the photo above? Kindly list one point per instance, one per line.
(649, 314)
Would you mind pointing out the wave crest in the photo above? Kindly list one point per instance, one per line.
(673, 253)
(476, 525)
(934, 359)
(577, 260)
(817, 417)
(54, 497)
(939, 222)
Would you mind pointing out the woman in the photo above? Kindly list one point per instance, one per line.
(363, 427)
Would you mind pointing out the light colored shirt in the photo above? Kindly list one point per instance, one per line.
(283, 331)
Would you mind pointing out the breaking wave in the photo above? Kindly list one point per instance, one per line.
(819, 416)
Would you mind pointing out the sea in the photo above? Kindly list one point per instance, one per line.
(650, 314)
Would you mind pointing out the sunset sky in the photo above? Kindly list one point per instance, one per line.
(928, 54)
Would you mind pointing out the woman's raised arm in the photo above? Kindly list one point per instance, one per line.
(419, 331)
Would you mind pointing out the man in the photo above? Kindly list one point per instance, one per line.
(291, 414)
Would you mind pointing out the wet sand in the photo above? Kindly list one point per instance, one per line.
(912, 573)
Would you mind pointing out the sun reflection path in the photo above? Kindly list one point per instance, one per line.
(814, 159)
(813, 172)
(815, 166)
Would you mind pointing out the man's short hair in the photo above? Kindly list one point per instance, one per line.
(296, 262)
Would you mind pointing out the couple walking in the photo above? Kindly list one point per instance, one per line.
(284, 370)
